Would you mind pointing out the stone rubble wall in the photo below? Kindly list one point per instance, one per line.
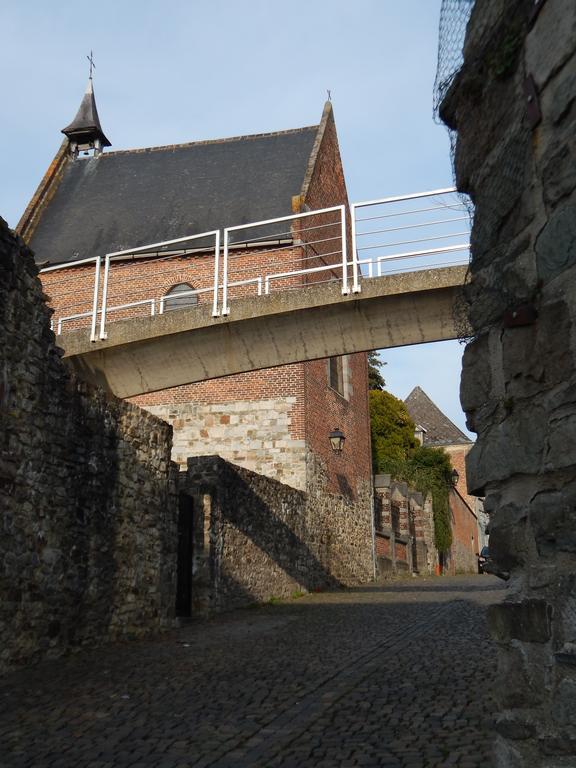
(404, 524)
(256, 538)
(87, 493)
(514, 107)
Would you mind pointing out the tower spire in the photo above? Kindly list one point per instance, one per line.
(85, 131)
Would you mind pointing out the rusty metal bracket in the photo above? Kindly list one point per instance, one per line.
(532, 102)
(537, 6)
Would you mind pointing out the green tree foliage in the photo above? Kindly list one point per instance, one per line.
(392, 431)
(396, 451)
(375, 378)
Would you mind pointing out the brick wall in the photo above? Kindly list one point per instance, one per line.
(458, 455)
(465, 545)
(282, 412)
(87, 495)
(326, 409)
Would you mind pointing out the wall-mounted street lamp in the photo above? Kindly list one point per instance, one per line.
(337, 440)
(454, 477)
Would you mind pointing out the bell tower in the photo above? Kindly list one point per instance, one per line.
(85, 132)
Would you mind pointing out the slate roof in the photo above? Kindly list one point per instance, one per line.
(130, 198)
(439, 429)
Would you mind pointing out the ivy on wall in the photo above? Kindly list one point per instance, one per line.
(396, 451)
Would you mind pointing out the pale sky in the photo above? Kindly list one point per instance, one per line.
(189, 69)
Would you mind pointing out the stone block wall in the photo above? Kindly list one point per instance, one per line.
(513, 105)
(257, 434)
(257, 538)
(87, 493)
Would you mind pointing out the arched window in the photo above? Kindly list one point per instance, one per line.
(174, 300)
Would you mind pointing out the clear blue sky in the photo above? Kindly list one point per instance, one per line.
(188, 70)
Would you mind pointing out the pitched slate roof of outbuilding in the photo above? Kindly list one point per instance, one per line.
(130, 198)
(439, 429)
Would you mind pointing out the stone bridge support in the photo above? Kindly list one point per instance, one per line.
(514, 107)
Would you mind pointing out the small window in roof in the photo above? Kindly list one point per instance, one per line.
(176, 297)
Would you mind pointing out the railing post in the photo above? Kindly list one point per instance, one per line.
(225, 307)
(95, 299)
(355, 283)
(103, 334)
(345, 289)
(215, 312)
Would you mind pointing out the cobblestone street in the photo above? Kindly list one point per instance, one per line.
(389, 675)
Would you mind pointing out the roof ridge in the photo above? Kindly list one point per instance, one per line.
(204, 142)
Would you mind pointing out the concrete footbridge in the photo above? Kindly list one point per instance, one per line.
(148, 354)
(315, 284)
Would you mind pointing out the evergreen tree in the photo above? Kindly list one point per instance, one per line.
(375, 378)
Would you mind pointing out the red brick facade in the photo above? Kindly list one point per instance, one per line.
(309, 408)
(465, 532)
(464, 550)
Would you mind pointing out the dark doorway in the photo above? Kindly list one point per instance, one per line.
(185, 544)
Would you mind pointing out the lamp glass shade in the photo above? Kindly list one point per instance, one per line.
(455, 477)
(337, 440)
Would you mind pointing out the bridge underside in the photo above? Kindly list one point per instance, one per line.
(149, 354)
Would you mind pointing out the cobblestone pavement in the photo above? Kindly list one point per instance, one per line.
(389, 675)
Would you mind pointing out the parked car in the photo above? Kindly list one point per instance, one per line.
(483, 558)
(487, 565)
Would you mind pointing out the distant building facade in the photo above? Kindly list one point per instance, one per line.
(435, 429)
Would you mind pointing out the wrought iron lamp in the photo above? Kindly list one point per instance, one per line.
(454, 477)
(337, 440)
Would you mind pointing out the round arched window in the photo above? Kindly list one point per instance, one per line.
(175, 300)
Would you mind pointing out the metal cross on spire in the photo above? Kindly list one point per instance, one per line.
(92, 65)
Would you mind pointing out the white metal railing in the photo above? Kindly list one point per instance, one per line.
(157, 252)
(67, 278)
(436, 222)
(399, 234)
(328, 247)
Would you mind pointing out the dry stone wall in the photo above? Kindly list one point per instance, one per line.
(514, 107)
(87, 493)
(256, 538)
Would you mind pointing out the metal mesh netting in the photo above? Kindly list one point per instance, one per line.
(454, 17)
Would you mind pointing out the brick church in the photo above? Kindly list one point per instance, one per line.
(93, 201)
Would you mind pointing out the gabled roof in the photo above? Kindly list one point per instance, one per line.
(125, 199)
(439, 429)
